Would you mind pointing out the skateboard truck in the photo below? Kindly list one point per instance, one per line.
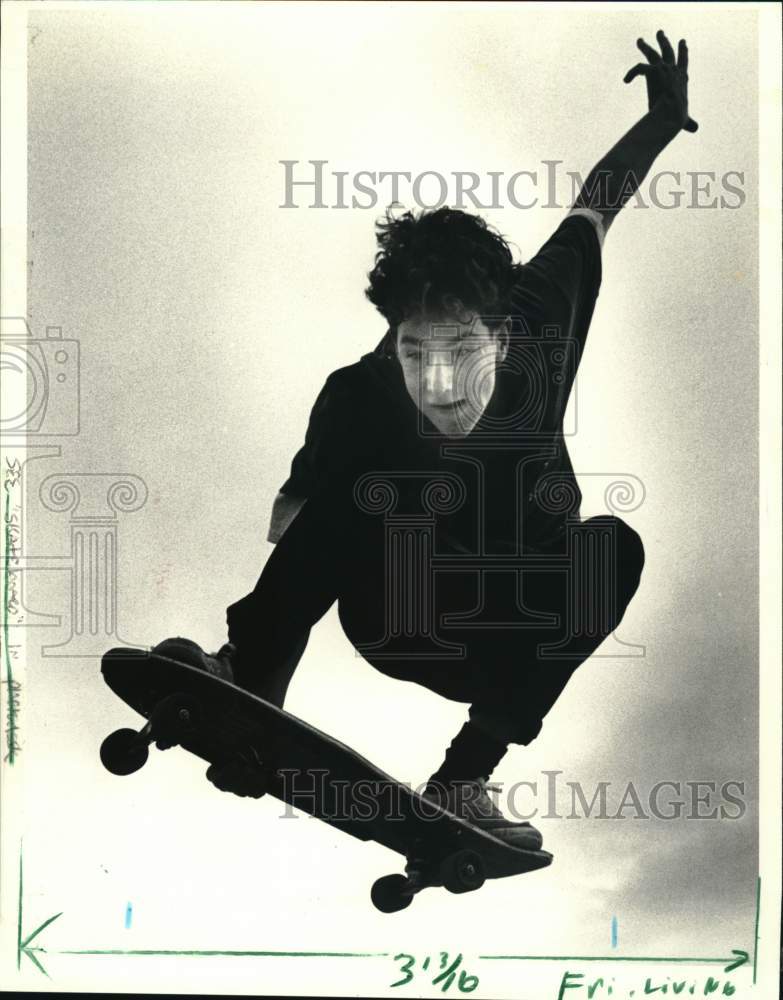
(460, 871)
(171, 721)
(125, 750)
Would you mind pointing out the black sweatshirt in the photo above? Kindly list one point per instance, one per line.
(511, 478)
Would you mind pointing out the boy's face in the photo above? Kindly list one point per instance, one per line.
(449, 368)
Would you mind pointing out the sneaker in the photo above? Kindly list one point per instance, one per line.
(220, 664)
(243, 774)
(470, 801)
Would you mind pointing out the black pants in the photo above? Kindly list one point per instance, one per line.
(502, 633)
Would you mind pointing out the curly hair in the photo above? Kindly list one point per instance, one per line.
(440, 262)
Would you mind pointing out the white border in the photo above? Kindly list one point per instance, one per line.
(13, 301)
(770, 154)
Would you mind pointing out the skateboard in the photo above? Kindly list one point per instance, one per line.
(304, 767)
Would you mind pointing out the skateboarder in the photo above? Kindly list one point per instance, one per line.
(454, 426)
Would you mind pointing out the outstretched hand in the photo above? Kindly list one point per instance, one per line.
(667, 80)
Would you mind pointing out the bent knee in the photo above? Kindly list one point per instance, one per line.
(628, 556)
(629, 563)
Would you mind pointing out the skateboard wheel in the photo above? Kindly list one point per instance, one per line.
(123, 752)
(390, 893)
(174, 718)
(462, 871)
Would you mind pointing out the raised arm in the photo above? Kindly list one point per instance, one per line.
(615, 178)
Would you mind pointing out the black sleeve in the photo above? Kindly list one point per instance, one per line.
(552, 306)
(319, 458)
(560, 285)
(304, 476)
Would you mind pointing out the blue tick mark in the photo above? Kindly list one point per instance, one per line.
(128, 915)
(614, 931)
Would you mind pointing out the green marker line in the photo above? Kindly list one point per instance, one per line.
(8, 675)
(33, 959)
(756, 933)
(19, 924)
(593, 958)
(615, 958)
(250, 954)
(37, 931)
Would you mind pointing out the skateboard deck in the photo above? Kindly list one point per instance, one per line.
(304, 767)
